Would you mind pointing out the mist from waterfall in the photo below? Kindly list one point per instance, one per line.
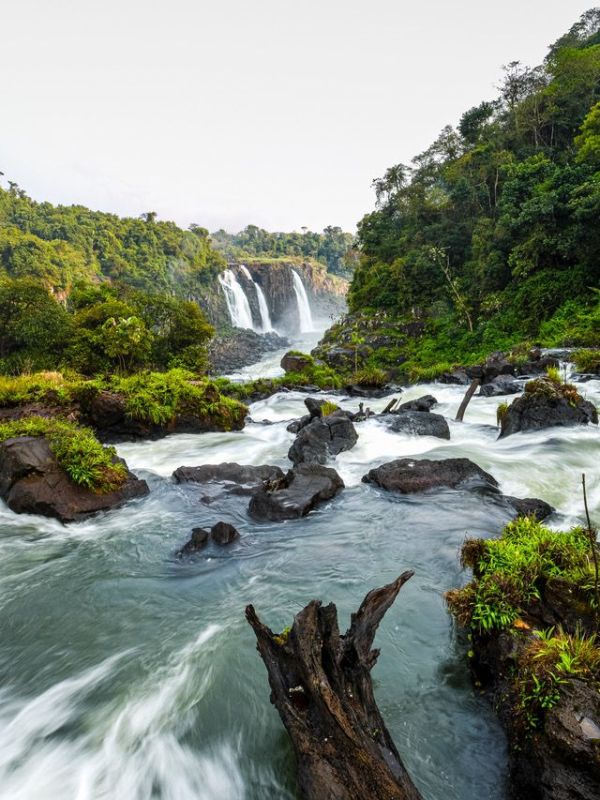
(265, 317)
(237, 302)
(304, 312)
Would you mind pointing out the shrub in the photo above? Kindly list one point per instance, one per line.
(587, 360)
(370, 376)
(87, 462)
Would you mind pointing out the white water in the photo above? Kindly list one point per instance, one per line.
(304, 312)
(237, 302)
(266, 325)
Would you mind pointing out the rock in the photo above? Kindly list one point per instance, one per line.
(296, 425)
(33, 482)
(583, 377)
(230, 352)
(322, 439)
(496, 364)
(530, 506)
(295, 362)
(408, 475)
(425, 403)
(500, 385)
(417, 423)
(223, 533)
(198, 540)
(545, 404)
(314, 407)
(356, 390)
(458, 378)
(301, 490)
(247, 476)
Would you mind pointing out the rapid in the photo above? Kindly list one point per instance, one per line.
(129, 674)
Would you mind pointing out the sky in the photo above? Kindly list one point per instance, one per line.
(223, 113)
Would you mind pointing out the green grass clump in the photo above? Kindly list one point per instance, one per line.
(501, 412)
(87, 462)
(158, 397)
(50, 387)
(511, 572)
(587, 361)
(370, 376)
(329, 408)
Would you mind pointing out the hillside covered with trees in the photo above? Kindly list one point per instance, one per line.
(491, 236)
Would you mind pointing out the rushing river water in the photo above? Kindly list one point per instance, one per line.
(127, 674)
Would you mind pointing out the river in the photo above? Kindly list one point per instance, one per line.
(128, 674)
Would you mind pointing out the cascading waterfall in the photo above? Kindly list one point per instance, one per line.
(304, 312)
(266, 325)
(237, 302)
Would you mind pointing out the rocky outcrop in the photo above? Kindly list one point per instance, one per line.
(293, 361)
(222, 534)
(231, 351)
(301, 490)
(424, 403)
(244, 476)
(530, 507)
(499, 386)
(546, 403)
(408, 475)
(323, 438)
(33, 482)
(417, 423)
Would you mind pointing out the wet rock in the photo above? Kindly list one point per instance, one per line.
(33, 482)
(545, 404)
(322, 439)
(228, 472)
(496, 364)
(229, 352)
(500, 385)
(223, 533)
(301, 490)
(530, 506)
(355, 390)
(417, 423)
(458, 378)
(424, 403)
(408, 475)
(197, 541)
(295, 362)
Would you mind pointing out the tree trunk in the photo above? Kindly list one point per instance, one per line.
(467, 399)
(321, 686)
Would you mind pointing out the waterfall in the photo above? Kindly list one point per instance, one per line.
(237, 302)
(265, 317)
(306, 320)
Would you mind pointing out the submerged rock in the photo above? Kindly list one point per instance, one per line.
(417, 423)
(33, 482)
(242, 475)
(547, 403)
(199, 540)
(408, 475)
(223, 533)
(323, 438)
(301, 490)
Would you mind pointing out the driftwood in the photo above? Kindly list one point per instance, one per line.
(467, 399)
(321, 686)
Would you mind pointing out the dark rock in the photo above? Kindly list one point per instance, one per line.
(301, 490)
(408, 475)
(314, 407)
(425, 403)
(355, 390)
(323, 438)
(223, 533)
(530, 506)
(32, 482)
(308, 388)
(458, 378)
(547, 404)
(241, 474)
(417, 423)
(295, 362)
(297, 424)
(496, 364)
(232, 351)
(500, 385)
(198, 540)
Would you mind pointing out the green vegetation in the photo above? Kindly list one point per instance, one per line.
(329, 408)
(490, 238)
(587, 361)
(80, 454)
(370, 376)
(333, 247)
(510, 573)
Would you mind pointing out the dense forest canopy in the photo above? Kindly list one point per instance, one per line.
(493, 232)
(334, 248)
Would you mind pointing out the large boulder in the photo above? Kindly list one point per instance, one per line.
(323, 438)
(417, 423)
(299, 492)
(424, 403)
(296, 362)
(500, 385)
(244, 476)
(547, 403)
(530, 507)
(33, 482)
(409, 475)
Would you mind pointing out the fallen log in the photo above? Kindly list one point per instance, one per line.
(321, 685)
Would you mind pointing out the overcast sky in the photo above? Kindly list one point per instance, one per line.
(229, 112)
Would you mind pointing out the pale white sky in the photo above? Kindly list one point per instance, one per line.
(229, 112)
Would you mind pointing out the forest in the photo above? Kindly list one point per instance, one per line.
(491, 235)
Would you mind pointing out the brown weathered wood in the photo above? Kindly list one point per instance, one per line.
(390, 405)
(466, 399)
(321, 685)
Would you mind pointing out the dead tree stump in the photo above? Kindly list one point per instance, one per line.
(321, 685)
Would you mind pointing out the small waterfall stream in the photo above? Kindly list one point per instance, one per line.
(237, 302)
(266, 326)
(304, 312)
